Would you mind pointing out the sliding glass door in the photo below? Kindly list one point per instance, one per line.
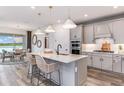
(9, 42)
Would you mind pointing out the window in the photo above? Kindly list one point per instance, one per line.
(11, 41)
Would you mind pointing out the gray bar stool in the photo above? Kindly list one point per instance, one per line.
(31, 65)
(47, 68)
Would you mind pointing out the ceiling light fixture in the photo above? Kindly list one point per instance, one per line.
(69, 24)
(85, 15)
(58, 21)
(39, 31)
(115, 7)
(33, 7)
(50, 28)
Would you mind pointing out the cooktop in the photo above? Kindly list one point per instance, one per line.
(103, 51)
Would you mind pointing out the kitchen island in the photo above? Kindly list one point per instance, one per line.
(73, 68)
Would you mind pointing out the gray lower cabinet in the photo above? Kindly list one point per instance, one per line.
(89, 60)
(117, 63)
(96, 61)
(102, 61)
(110, 62)
(107, 62)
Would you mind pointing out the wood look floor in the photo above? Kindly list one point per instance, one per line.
(16, 75)
(13, 75)
(104, 78)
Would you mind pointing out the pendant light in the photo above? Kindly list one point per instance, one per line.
(69, 24)
(39, 31)
(50, 28)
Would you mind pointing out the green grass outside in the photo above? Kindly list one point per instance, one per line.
(11, 44)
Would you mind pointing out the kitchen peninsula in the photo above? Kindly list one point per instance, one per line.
(73, 68)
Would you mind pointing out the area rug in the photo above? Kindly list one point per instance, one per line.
(7, 62)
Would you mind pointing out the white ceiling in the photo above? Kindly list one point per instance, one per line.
(23, 17)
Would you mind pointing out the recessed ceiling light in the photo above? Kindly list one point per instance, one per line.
(85, 15)
(59, 21)
(33, 7)
(115, 7)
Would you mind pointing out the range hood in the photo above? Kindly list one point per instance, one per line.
(102, 31)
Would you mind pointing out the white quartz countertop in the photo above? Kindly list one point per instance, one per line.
(115, 53)
(61, 58)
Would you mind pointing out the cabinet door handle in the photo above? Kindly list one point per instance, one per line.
(113, 61)
(122, 59)
(101, 59)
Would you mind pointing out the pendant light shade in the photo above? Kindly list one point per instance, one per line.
(50, 29)
(39, 31)
(69, 24)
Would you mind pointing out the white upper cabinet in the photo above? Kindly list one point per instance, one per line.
(76, 34)
(118, 31)
(114, 30)
(88, 34)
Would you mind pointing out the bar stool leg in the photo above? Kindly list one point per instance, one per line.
(3, 59)
(28, 70)
(38, 78)
(50, 79)
(32, 70)
(59, 77)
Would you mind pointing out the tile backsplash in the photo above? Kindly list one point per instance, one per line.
(88, 47)
(98, 44)
(114, 47)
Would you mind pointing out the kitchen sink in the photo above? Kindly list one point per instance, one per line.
(63, 54)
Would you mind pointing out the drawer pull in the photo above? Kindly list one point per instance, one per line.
(122, 59)
(114, 61)
(101, 59)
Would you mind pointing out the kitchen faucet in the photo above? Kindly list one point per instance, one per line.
(59, 45)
